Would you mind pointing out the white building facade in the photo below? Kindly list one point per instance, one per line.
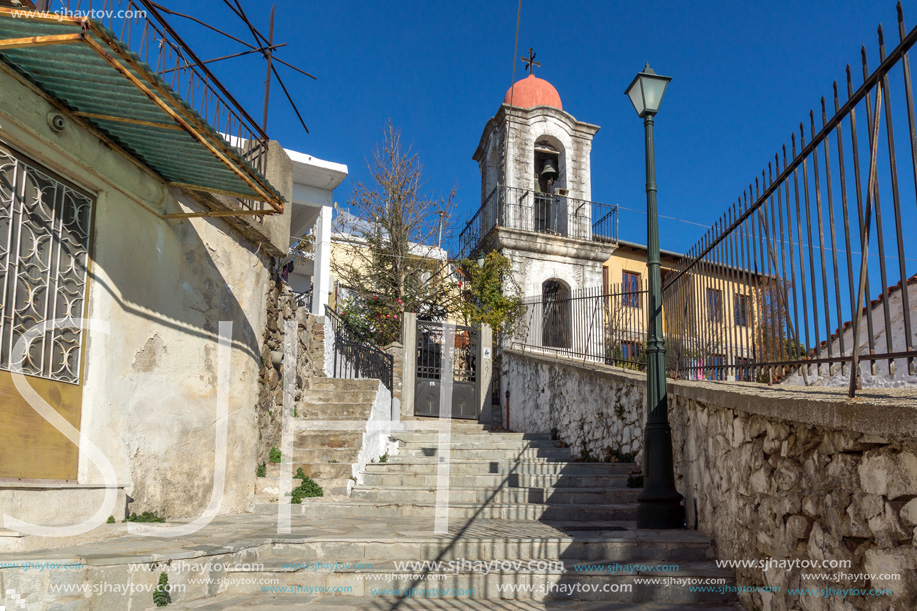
(314, 182)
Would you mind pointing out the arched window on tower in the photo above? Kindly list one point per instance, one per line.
(556, 321)
(549, 214)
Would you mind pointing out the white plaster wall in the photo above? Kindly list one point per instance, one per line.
(164, 291)
(377, 437)
(531, 270)
(149, 398)
(593, 414)
(328, 340)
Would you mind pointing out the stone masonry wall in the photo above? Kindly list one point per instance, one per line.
(282, 306)
(775, 474)
(597, 417)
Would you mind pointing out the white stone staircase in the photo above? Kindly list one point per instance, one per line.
(555, 528)
(511, 497)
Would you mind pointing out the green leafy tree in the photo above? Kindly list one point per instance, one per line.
(490, 295)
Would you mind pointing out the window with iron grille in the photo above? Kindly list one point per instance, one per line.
(740, 303)
(631, 282)
(715, 305)
(44, 253)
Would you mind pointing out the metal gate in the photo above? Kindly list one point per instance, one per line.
(430, 336)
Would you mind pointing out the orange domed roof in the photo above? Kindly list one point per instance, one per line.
(533, 91)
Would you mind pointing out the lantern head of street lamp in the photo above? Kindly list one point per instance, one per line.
(480, 259)
(646, 91)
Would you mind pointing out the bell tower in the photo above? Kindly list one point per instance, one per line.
(536, 192)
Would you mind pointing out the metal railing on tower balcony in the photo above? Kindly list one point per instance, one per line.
(529, 210)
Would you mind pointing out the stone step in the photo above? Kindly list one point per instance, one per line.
(455, 425)
(494, 480)
(274, 602)
(457, 443)
(424, 466)
(490, 454)
(338, 486)
(480, 495)
(308, 440)
(332, 397)
(610, 542)
(527, 584)
(267, 486)
(334, 411)
(320, 470)
(431, 436)
(231, 540)
(322, 508)
(325, 455)
(341, 384)
(336, 489)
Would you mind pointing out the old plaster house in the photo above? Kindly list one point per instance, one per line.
(131, 229)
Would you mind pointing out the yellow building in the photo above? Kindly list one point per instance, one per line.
(712, 316)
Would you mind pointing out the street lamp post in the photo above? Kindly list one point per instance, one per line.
(660, 504)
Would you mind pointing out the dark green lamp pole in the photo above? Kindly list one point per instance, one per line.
(660, 504)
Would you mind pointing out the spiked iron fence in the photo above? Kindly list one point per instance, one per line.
(784, 283)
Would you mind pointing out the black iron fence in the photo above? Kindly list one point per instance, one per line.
(606, 325)
(356, 357)
(783, 285)
(303, 300)
(529, 210)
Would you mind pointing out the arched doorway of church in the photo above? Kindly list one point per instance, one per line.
(556, 318)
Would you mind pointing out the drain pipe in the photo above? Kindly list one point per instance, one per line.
(507, 409)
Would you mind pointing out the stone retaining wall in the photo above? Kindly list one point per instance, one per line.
(775, 474)
(282, 306)
(595, 415)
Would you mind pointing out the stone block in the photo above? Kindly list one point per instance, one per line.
(908, 512)
(889, 474)
(898, 561)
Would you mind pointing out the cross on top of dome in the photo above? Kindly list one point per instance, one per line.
(530, 62)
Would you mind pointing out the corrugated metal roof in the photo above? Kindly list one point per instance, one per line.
(79, 76)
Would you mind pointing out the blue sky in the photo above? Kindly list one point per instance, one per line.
(744, 76)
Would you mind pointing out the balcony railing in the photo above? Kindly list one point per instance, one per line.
(551, 214)
(135, 35)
